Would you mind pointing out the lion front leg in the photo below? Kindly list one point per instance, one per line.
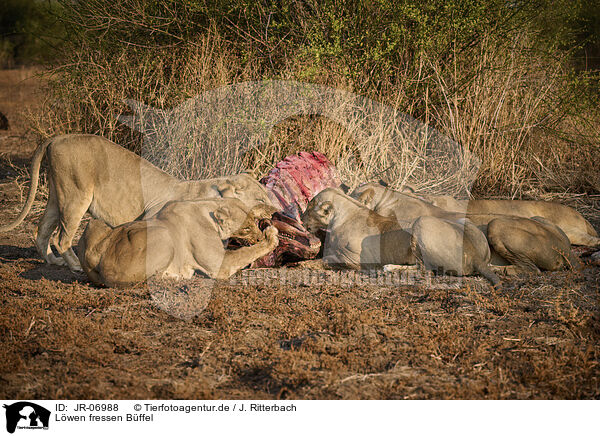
(235, 260)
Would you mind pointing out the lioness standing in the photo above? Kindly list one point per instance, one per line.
(88, 173)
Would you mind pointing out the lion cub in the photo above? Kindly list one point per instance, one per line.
(184, 237)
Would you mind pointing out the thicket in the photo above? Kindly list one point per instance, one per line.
(31, 32)
(513, 82)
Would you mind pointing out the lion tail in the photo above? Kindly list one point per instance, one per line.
(35, 177)
(486, 272)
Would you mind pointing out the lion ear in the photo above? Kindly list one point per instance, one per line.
(367, 196)
(249, 173)
(325, 209)
(221, 215)
(98, 228)
(225, 188)
(241, 181)
(409, 188)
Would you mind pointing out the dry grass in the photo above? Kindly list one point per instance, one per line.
(503, 105)
(198, 132)
(538, 338)
(511, 115)
(19, 94)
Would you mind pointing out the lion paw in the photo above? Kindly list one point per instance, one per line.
(271, 235)
(55, 260)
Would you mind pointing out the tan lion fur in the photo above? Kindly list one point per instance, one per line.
(356, 236)
(88, 173)
(408, 206)
(183, 237)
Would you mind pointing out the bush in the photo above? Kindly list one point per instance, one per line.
(498, 77)
(30, 32)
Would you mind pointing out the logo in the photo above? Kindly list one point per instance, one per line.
(26, 415)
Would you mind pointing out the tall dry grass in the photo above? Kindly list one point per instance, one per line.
(511, 113)
(502, 106)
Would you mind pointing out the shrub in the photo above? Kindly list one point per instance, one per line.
(490, 75)
(30, 32)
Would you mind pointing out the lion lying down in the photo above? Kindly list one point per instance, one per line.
(357, 237)
(88, 173)
(184, 237)
(455, 248)
(408, 206)
(531, 244)
(504, 243)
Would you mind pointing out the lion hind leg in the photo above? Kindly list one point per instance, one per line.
(46, 227)
(71, 213)
(141, 251)
(519, 260)
(578, 237)
(488, 273)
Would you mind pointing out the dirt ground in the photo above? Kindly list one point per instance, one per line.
(61, 338)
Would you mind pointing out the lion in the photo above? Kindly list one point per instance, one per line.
(408, 206)
(403, 207)
(88, 173)
(488, 246)
(441, 238)
(454, 247)
(182, 238)
(531, 244)
(445, 202)
(356, 237)
(578, 230)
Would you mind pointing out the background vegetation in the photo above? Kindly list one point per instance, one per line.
(31, 32)
(514, 82)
